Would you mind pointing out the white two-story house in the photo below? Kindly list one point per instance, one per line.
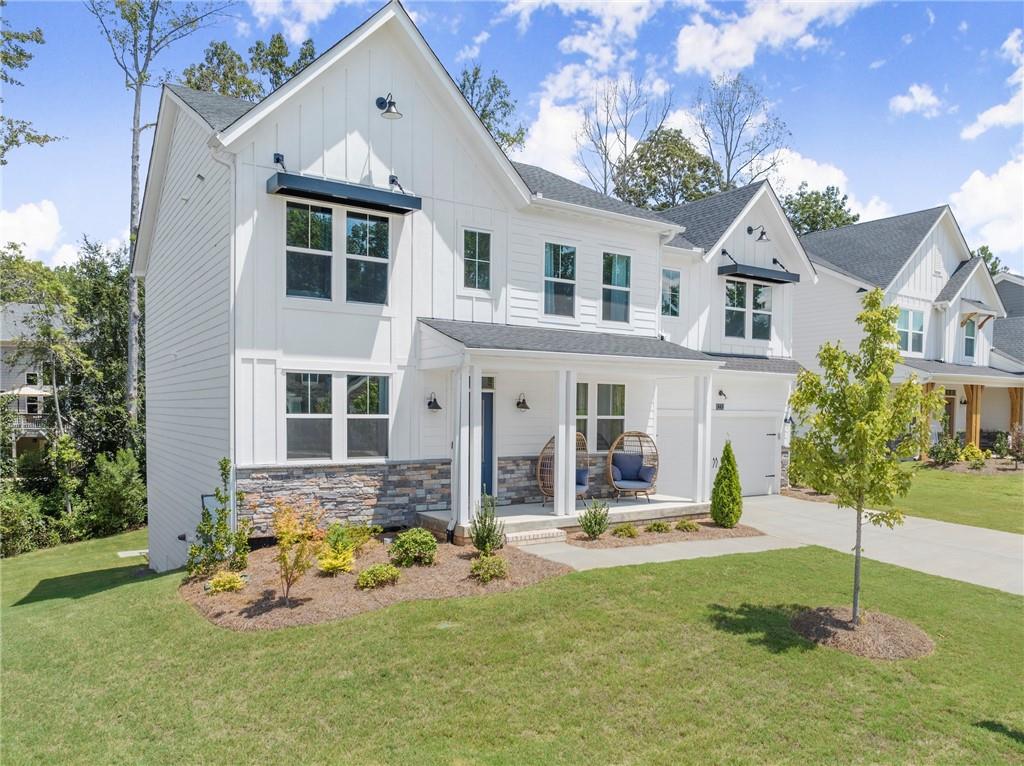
(21, 383)
(948, 302)
(353, 294)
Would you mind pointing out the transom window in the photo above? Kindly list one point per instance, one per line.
(308, 251)
(670, 292)
(970, 336)
(367, 251)
(611, 413)
(615, 294)
(748, 310)
(308, 431)
(582, 392)
(476, 259)
(559, 280)
(367, 410)
(910, 328)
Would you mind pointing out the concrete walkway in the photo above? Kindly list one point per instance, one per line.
(970, 554)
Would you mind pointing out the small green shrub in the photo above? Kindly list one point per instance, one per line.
(414, 546)
(1017, 445)
(115, 495)
(378, 575)
(486, 531)
(1001, 445)
(726, 496)
(625, 530)
(216, 546)
(487, 568)
(594, 520)
(225, 582)
(945, 451)
(332, 561)
(974, 456)
(351, 536)
(659, 527)
(299, 538)
(685, 525)
(23, 527)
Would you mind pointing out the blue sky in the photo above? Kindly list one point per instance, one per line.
(903, 105)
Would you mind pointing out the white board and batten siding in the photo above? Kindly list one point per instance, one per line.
(187, 341)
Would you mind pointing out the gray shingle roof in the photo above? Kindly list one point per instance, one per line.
(874, 251)
(553, 186)
(958, 279)
(933, 367)
(707, 219)
(218, 111)
(1008, 336)
(1012, 296)
(741, 363)
(484, 335)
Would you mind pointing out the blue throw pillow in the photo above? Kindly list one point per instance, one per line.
(628, 464)
(647, 474)
(616, 473)
(582, 477)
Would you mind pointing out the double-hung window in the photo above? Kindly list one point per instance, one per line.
(669, 293)
(559, 280)
(748, 310)
(611, 413)
(308, 251)
(910, 329)
(582, 391)
(367, 252)
(367, 413)
(761, 312)
(970, 335)
(476, 259)
(735, 309)
(308, 414)
(615, 293)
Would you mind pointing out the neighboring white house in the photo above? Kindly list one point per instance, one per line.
(22, 382)
(949, 306)
(390, 316)
(1008, 333)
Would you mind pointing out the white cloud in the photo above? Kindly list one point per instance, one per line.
(991, 208)
(930, 15)
(64, 255)
(794, 169)
(732, 44)
(919, 99)
(472, 51)
(962, 27)
(296, 17)
(1012, 112)
(35, 226)
(877, 64)
(907, 39)
(551, 139)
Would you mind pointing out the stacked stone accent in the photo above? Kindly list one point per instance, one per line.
(517, 479)
(389, 494)
(784, 477)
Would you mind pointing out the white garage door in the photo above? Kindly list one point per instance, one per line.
(755, 441)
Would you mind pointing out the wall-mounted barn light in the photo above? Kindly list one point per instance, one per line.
(521, 404)
(388, 109)
(762, 237)
(432, 404)
(721, 393)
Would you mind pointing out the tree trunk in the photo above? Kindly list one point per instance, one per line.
(60, 421)
(132, 383)
(856, 568)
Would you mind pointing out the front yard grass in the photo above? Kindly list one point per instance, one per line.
(995, 501)
(685, 662)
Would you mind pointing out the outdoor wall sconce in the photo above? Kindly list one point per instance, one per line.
(388, 109)
(963, 402)
(432, 403)
(521, 404)
(721, 393)
(762, 237)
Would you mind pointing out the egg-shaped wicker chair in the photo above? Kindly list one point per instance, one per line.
(546, 468)
(632, 465)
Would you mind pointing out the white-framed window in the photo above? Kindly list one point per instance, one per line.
(615, 290)
(559, 280)
(748, 310)
(476, 259)
(308, 415)
(761, 312)
(367, 416)
(910, 328)
(582, 392)
(735, 309)
(670, 281)
(611, 413)
(970, 336)
(367, 255)
(308, 251)
(31, 378)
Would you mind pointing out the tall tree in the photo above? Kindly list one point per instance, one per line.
(738, 130)
(491, 99)
(665, 170)
(812, 210)
(620, 117)
(224, 71)
(271, 59)
(995, 266)
(138, 31)
(857, 427)
(15, 56)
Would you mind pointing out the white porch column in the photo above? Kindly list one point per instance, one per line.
(461, 453)
(702, 474)
(569, 427)
(476, 440)
(558, 480)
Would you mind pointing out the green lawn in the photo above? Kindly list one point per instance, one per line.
(995, 501)
(687, 662)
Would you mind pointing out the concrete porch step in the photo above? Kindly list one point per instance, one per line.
(535, 536)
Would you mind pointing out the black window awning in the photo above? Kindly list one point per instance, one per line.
(777, 276)
(343, 193)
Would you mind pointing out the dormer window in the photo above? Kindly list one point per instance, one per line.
(910, 328)
(970, 335)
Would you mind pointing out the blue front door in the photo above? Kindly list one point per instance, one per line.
(487, 456)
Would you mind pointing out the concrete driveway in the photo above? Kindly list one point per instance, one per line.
(971, 554)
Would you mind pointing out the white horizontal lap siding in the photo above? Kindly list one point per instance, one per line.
(187, 342)
(995, 409)
(824, 313)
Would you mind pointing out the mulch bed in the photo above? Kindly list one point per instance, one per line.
(879, 636)
(315, 598)
(806, 493)
(708, 531)
(995, 465)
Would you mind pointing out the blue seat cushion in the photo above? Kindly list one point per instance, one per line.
(582, 477)
(647, 473)
(626, 484)
(629, 465)
(616, 473)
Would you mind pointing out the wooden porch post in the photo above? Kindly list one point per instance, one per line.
(927, 388)
(972, 391)
(1016, 406)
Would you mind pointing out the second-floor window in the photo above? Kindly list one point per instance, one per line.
(31, 378)
(748, 310)
(615, 293)
(611, 413)
(559, 280)
(669, 293)
(910, 329)
(476, 257)
(970, 335)
(308, 415)
(582, 391)
(308, 251)
(367, 251)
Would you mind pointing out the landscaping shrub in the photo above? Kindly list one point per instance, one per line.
(115, 495)
(685, 525)
(945, 451)
(659, 527)
(800, 476)
(414, 546)
(331, 561)
(352, 536)
(1017, 446)
(1001, 446)
(23, 527)
(487, 568)
(594, 520)
(974, 456)
(378, 575)
(625, 530)
(486, 531)
(216, 546)
(298, 541)
(726, 497)
(226, 582)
